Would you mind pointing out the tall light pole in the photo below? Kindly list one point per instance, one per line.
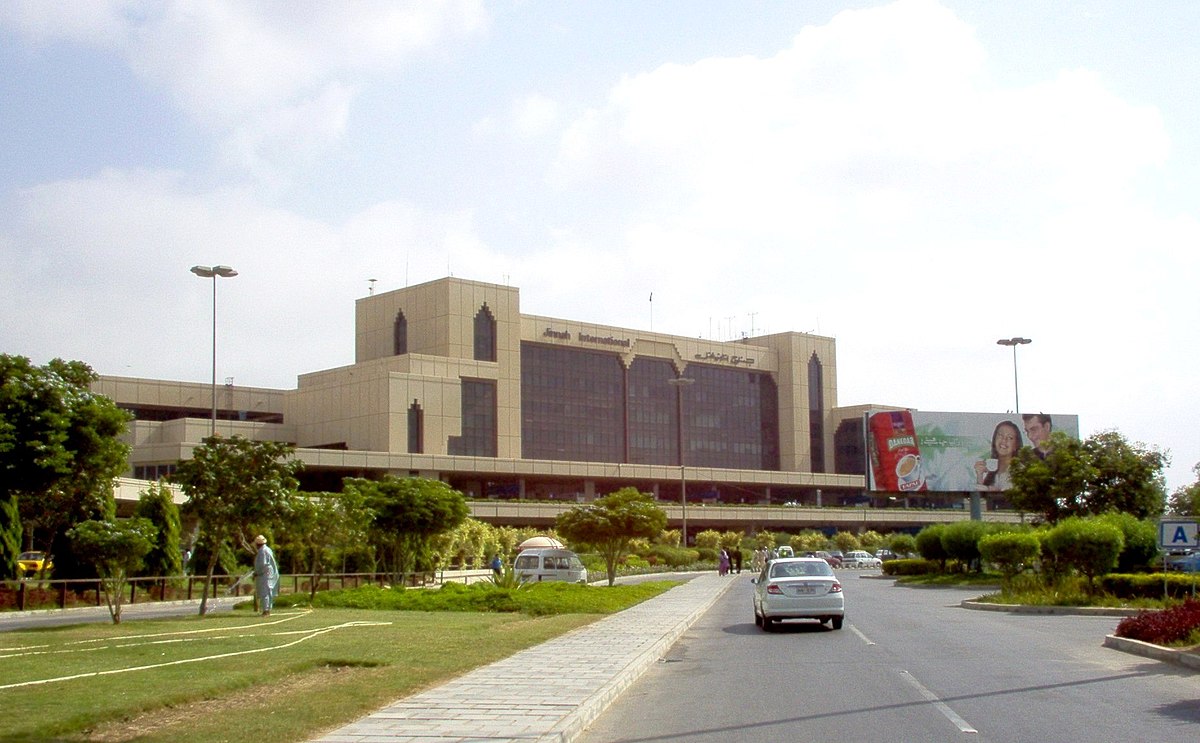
(1014, 342)
(212, 272)
(679, 383)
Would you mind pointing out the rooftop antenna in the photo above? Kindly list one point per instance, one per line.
(651, 312)
(752, 314)
(371, 291)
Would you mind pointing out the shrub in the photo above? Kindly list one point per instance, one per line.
(1148, 585)
(1165, 627)
(960, 541)
(676, 557)
(914, 566)
(929, 544)
(1090, 546)
(1011, 552)
(902, 544)
(1141, 541)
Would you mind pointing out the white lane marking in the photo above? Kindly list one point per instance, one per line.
(861, 636)
(306, 636)
(941, 706)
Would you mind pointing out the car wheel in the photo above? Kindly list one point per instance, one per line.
(758, 620)
(768, 624)
(837, 622)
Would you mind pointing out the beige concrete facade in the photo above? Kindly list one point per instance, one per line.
(354, 419)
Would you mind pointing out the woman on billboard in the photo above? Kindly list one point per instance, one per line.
(992, 473)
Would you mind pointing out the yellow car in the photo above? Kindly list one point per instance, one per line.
(33, 562)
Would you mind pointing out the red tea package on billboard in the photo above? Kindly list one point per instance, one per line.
(895, 456)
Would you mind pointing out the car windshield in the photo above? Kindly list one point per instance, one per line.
(800, 569)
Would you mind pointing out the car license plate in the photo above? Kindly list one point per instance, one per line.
(806, 590)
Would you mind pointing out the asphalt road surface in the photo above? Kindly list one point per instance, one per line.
(909, 665)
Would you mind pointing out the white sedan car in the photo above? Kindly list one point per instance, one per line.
(860, 559)
(798, 588)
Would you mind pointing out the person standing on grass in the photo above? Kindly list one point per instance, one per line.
(266, 576)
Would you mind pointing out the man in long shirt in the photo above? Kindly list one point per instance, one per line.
(266, 576)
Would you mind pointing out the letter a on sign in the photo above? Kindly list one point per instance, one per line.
(1177, 534)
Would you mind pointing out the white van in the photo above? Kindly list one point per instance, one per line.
(550, 564)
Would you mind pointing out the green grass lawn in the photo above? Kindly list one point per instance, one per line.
(239, 677)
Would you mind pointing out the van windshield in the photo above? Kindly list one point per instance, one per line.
(526, 562)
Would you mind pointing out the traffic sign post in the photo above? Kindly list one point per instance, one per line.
(1176, 534)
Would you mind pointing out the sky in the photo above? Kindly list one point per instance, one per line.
(916, 179)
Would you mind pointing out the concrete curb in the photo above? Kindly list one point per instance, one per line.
(1189, 659)
(1079, 611)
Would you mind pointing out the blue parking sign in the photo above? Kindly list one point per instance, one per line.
(1177, 534)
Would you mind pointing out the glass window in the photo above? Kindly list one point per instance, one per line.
(416, 425)
(571, 405)
(478, 420)
(400, 335)
(485, 335)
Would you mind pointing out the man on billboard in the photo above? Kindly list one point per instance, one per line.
(1038, 428)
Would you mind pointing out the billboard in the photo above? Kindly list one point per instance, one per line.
(910, 451)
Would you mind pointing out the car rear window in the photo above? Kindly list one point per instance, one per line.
(800, 569)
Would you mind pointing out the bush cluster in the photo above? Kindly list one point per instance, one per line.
(911, 566)
(1166, 627)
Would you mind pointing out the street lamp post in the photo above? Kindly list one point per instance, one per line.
(212, 272)
(679, 383)
(1014, 342)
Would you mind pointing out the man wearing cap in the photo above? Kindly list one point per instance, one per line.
(266, 576)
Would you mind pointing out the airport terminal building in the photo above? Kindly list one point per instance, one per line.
(450, 381)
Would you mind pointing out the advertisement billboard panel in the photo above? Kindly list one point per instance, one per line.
(913, 451)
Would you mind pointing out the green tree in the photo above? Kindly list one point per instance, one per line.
(1140, 540)
(60, 450)
(235, 488)
(1090, 546)
(960, 541)
(320, 527)
(764, 539)
(1079, 478)
(708, 539)
(929, 544)
(1011, 552)
(845, 541)
(1185, 500)
(608, 523)
(115, 549)
(157, 505)
(406, 514)
(902, 544)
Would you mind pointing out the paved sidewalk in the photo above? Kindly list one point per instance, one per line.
(548, 693)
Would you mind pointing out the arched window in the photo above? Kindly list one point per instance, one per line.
(400, 335)
(485, 335)
(416, 422)
(816, 413)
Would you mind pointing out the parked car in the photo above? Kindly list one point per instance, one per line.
(1188, 562)
(33, 562)
(541, 564)
(885, 554)
(798, 588)
(861, 559)
(833, 560)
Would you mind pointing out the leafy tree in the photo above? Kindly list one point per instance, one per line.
(1185, 501)
(809, 540)
(1011, 552)
(870, 540)
(764, 539)
(157, 505)
(1080, 478)
(319, 527)
(235, 488)
(960, 541)
(608, 523)
(1141, 540)
(1091, 546)
(902, 544)
(845, 541)
(929, 544)
(60, 450)
(708, 539)
(669, 538)
(407, 513)
(115, 549)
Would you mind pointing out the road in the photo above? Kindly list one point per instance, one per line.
(909, 665)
